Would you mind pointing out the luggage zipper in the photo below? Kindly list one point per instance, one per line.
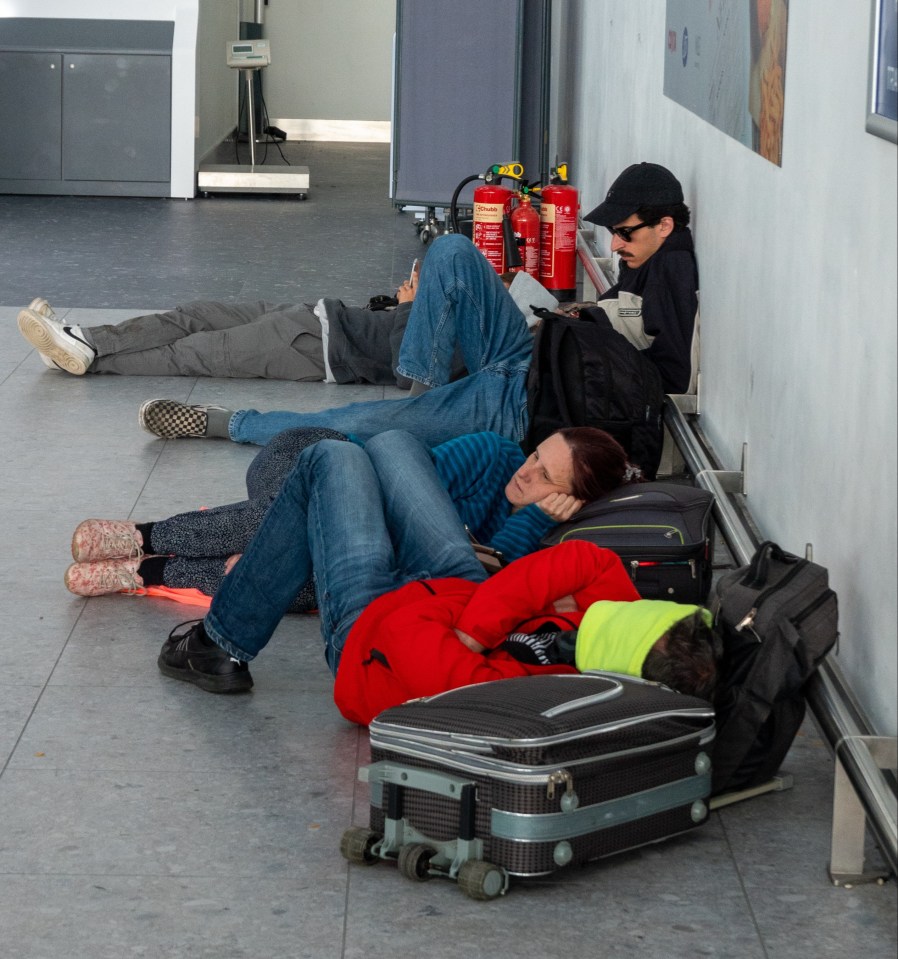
(811, 608)
(666, 531)
(559, 778)
(636, 563)
(749, 618)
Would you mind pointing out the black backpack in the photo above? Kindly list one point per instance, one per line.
(585, 373)
(778, 619)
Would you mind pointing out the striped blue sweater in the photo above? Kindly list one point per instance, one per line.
(475, 470)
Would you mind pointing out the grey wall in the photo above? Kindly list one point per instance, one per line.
(799, 289)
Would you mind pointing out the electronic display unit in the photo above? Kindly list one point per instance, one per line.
(248, 54)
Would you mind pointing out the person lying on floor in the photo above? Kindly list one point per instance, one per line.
(368, 520)
(506, 500)
(666, 642)
(328, 341)
(461, 306)
(432, 636)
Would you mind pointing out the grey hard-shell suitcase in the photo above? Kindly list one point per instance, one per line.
(521, 777)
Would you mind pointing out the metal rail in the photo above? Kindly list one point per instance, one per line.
(862, 759)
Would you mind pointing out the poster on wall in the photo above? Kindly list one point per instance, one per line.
(882, 113)
(725, 60)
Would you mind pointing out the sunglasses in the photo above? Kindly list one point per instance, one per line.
(626, 232)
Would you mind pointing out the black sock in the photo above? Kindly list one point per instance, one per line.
(151, 570)
(146, 533)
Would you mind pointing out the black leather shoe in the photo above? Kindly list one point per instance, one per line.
(192, 657)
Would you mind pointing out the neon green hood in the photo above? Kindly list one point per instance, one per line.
(617, 636)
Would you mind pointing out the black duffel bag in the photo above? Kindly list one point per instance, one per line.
(778, 619)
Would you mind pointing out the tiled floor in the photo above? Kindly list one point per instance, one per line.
(141, 817)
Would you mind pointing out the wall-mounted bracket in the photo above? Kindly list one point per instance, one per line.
(729, 481)
(846, 867)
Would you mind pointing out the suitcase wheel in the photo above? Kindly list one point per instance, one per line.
(414, 861)
(356, 845)
(481, 880)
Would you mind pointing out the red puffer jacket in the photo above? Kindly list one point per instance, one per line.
(404, 644)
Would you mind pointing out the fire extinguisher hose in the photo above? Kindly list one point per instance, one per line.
(453, 203)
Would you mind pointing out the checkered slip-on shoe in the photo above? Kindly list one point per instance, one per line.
(170, 419)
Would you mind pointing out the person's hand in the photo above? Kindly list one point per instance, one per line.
(470, 642)
(560, 506)
(406, 292)
(231, 562)
(566, 604)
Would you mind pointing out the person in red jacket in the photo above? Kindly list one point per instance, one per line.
(432, 635)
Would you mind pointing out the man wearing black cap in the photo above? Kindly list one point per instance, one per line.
(655, 301)
(462, 307)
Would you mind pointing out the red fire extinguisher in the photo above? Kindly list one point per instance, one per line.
(526, 227)
(492, 203)
(559, 204)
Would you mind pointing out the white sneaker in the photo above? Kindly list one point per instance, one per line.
(64, 346)
(50, 364)
(40, 305)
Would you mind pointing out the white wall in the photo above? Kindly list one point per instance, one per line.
(216, 82)
(799, 292)
(331, 67)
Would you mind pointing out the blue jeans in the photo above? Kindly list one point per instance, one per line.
(367, 521)
(461, 302)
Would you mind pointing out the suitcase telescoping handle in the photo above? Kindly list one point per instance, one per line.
(438, 783)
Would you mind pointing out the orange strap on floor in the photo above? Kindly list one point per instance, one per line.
(189, 597)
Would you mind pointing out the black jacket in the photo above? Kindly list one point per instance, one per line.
(668, 285)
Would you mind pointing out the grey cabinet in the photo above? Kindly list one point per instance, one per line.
(116, 123)
(31, 116)
(85, 107)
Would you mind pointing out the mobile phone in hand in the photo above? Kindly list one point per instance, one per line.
(413, 275)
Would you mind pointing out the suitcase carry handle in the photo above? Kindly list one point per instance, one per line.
(584, 701)
(759, 568)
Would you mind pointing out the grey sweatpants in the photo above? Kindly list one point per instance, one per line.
(273, 341)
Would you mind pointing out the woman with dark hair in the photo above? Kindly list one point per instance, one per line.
(597, 458)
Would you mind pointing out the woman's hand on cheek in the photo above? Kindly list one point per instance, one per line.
(560, 506)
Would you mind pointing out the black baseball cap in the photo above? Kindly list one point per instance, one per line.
(642, 184)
